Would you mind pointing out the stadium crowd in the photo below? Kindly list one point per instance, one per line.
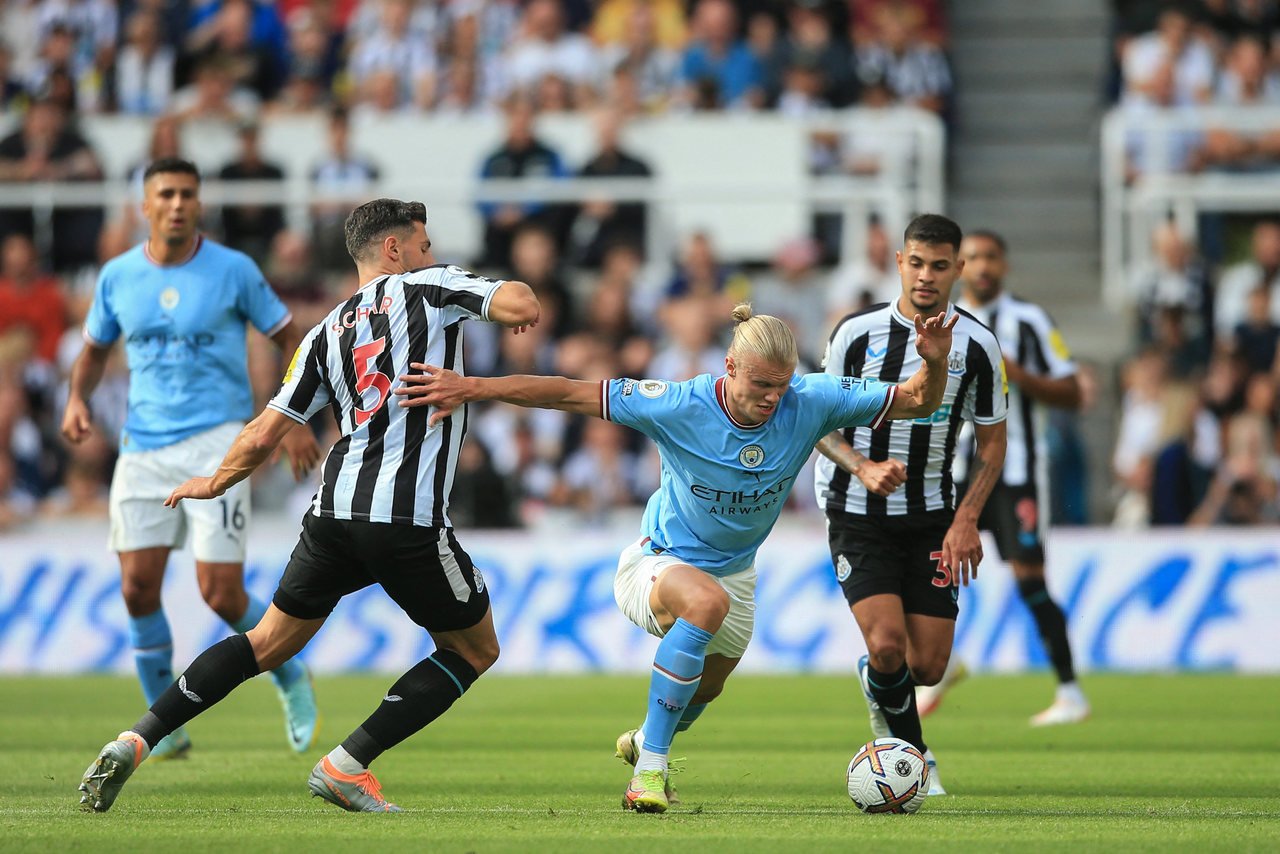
(1197, 418)
(1197, 439)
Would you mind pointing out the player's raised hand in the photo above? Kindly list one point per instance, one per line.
(882, 478)
(197, 487)
(300, 445)
(77, 424)
(437, 387)
(933, 336)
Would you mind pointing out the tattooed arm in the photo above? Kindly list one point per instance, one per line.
(962, 548)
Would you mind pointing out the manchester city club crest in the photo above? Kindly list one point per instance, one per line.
(169, 299)
(842, 568)
(751, 456)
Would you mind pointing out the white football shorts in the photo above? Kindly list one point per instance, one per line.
(144, 479)
(638, 572)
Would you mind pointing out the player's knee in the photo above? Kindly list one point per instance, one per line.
(481, 653)
(227, 601)
(929, 671)
(887, 648)
(708, 610)
(140, 599)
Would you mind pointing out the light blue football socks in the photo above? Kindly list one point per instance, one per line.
(152, 653)
(677, 670)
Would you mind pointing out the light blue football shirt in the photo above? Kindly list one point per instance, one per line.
(184, 332)
(723, 483)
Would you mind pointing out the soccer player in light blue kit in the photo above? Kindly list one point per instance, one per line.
(731, 447)
(181, 304)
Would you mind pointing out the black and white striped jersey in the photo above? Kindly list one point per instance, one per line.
(1026, 332)
(389, 466)
(879, 343)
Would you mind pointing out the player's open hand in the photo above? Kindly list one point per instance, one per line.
(303, 452)
(961, 553)
(882, 478)
(437, 387)
(933, 336)
(77, 424)
(197, 487)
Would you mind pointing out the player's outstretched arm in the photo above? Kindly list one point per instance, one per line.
(251, 449)
(880, 478)
(446, 391)
(962, 548)
(86, 373)
(515, 305)
(299, 445)
(921, 394)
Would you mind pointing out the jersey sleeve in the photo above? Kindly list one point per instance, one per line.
(259, 303)
(854, 401)
(304, 391)
(987, 400)
(101, 326)
(1053, 349)
(462, 295)
(639, 404)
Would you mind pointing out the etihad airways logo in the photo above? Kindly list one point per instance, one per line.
(741, 502)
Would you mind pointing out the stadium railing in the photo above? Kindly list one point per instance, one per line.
(1131, 209)
(744, 179)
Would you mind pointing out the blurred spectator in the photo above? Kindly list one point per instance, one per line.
(700, 273)
(315, 46)
(251, 227)
(602, 223)
(83, 492)
(766, 45)
(13, 93)
(615, 22)
(1176, 150)
(20, 32)
(1244, 490)
(1257, 336)
(915, 71)
(689, 346)
(347, 176)
(601, 475)
(460, 89)
(214, 95)
(143, 76)
(810, 44)
(1246, 81)
(1172, 49)
(521, 155)
(535, 260)
(1137, 438)
(1228, 20)
(395, 51)
(862, 282)
(649, 66)
(16, 504)
(553, 94)
(924, 17)
(295, 276)
(1173, 278)
(609, 318)
(48, 148)
(89, 28)
(234, 33)
(543, 47)
(30, 299)
(1179, 476)
(1262, 270)
(423, 23)
(717, 69)
(58, 74)
(481, 496)
(793, 291)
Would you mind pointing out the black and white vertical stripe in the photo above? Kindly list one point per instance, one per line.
(1027, 333)
(880, 343)
(389, 466)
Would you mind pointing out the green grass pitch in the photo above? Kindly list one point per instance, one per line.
(526, 764)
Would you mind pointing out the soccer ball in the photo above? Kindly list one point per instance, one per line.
(888, 775)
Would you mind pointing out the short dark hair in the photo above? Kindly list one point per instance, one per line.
(988, 234)
(166, 165)
(371, 222)
(933, 230)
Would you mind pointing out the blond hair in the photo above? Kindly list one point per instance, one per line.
(762, 335)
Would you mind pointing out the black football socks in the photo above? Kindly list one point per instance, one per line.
(896, 694)
(1052, 624)
(212, 676)
(422, 694)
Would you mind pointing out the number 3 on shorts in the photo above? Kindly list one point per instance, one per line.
(942, 572)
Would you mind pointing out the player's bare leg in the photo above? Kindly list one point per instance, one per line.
(1069, 704)
(222, 586)
(417, 698)
(141, 579)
